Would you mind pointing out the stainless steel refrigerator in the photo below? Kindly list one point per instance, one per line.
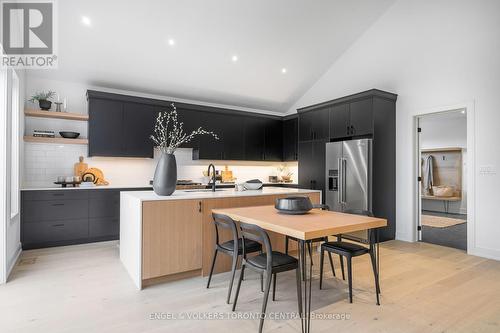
(349, 175)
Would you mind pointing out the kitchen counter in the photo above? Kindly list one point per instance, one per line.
(103, 187)
(208, 194)
(165, 238)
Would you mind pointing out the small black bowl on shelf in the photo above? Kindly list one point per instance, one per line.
(69, 135)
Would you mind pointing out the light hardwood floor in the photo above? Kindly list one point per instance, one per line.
(425, 288)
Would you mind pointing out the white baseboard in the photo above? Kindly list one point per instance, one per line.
(13, 261)
(485, 253)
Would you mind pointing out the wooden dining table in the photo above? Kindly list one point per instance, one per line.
(315, 224)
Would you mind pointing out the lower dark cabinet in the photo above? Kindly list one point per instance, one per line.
(41, 233)
(107, 227)
(72, 216)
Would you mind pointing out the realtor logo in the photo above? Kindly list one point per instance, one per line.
(28, 34)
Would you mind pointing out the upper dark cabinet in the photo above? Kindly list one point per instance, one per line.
(207, 147)
(105, 127)
(361, 117)
(273, 140)
(314, 125)
(120, 128)
(290, 139)
(234, 137)
(339, 121)
(138, 126)
(255, 138)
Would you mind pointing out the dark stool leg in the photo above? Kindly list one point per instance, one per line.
(375, 274)
(239, 285)
(264, 302)
(331, 263)
(212, 269)
(321, 260)
(274, 286)
(349, 276)
(286, 244)
(342, 266)
(233, 272)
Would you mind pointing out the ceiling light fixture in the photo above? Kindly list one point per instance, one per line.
(171, 41)
(234, 58)
(283, 70)
(86, 21)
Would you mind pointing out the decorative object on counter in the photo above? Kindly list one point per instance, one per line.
(43, 98)
(253, 184)
(68, 181)
(95, 176)
(80, 167)
(43, 134)
(296, 205)
(227, 175)
(285, 174)
(239, 187)
(168, 136)
(273, 179)
(69, 135)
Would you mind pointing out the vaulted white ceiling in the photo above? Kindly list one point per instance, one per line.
(126, 46)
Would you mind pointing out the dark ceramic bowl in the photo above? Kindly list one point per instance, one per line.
(69, 135)
(293, 205)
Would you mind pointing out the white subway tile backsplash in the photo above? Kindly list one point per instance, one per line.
(43, 163)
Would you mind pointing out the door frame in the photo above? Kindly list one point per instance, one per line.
(3, 175)
(469, 108)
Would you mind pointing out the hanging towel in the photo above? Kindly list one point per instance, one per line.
(428, 175)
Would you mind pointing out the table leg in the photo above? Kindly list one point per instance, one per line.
(307, 282)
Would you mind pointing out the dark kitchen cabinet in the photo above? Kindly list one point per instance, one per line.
(138, 126)
(234, 138)
(290, 139)
(351, 119)
(361, 117)
(208, 147)
(255, 138)
(273, 140)
(314, 124)
(71, 216)
(105, 127)
(340, 121)
(312, 165)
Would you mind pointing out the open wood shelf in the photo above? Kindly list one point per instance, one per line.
(435, 150)
(36, 139)
(55, 115)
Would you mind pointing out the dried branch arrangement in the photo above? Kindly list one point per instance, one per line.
(169, 132)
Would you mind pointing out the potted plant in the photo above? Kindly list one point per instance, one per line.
(43, 98)
(168, 136)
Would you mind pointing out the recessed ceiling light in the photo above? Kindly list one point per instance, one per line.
(86, 21)
(463, 111)
(171, 41)
(234, 58)
(283, 70)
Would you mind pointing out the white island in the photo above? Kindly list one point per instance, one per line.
(165, 238)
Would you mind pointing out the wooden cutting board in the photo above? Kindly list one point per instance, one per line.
(80, 167)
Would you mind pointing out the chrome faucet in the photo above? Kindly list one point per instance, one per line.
(213, 176)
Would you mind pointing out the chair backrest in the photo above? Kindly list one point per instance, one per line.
(358, 236)
(225, 222)
(257, 234)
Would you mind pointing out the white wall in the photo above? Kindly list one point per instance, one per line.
(431, 53)
(446, 130)
(44, 162)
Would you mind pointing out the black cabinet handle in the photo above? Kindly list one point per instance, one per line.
(58, 204)
(199, 206)
(353, 131)
(58, 225)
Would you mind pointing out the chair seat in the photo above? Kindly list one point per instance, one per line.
(250, 246)
(348, 248)
(279, 259)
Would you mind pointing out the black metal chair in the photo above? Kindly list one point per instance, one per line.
(225, 222)
(271, 262)
(315, 240)
(351, 250)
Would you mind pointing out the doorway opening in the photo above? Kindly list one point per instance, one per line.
(442, 175)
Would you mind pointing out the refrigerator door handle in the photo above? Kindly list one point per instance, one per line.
(339, 166)
(344, 164)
